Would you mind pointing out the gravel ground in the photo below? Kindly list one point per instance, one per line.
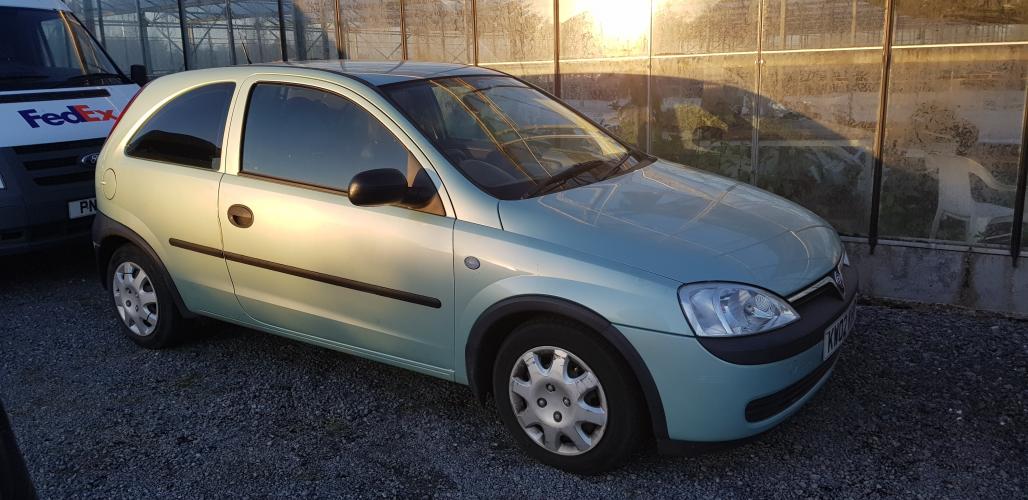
(924, 402)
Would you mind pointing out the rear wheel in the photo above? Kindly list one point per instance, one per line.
(567, 397)
(142, 300)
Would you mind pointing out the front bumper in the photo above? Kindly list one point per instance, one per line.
(22, 233)
(722, 394)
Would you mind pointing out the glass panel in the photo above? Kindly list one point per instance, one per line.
(87, 12)
(703, 112)
(255, 30)
(118, 29)
(817, 122)
(162, 46)
(704, 26)
(952, 143)
(539, 74)
(438, 30)
(207, 31)
(515, 30)
(314, 137)
(612, 93)
(188, 130)
(1024, 233)
(604, 28)
(821, 24)
(960, 21)
(310, 29)
(372, 29)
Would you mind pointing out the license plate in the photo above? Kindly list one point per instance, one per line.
(837, 333)
(81, 208)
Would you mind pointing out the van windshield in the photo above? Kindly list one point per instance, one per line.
(510, 139)
(41, 49)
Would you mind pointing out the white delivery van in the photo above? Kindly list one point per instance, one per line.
(60, 94)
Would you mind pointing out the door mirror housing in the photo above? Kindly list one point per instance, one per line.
(381, 186)
(137, 73)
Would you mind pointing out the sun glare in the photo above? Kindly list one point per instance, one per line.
(618, 20)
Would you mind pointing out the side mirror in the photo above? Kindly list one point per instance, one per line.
(382, 186)
(137, 73)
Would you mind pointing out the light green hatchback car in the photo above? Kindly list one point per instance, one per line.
(459, 222)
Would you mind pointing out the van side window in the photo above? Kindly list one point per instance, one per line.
(313, 137)
(188, 130)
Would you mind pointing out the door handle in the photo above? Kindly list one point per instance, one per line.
(240, 216)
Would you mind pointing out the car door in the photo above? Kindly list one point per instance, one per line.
(376, 281)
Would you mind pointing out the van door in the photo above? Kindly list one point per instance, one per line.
(377, 281)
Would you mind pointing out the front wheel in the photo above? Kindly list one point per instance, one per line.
(142, 300)
(567, 397)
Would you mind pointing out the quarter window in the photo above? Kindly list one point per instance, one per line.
(314, 137)
(189, 130)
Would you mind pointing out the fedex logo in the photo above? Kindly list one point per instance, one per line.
(76, 114)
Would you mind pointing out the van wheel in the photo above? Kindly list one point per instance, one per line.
(142, 300)
(567, 397)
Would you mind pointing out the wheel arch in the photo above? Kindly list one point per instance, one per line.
(500, 319)
(109, 235)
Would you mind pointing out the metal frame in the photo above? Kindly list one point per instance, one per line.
(474, 32)
(1017, 228)
(879, 138)
(282, 32)
(403, 30)
(556, 49)
(184, 31)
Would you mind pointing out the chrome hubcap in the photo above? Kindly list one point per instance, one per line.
(558, 400)
(135, 298)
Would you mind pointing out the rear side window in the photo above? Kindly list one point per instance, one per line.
(314, 137)
(188, 130)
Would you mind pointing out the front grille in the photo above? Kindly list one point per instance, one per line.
(769, 406)
(62, 161)
(823, 285)
(56, 180)
(57, 163)
(53, 230)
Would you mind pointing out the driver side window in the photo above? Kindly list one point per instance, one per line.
(310, 136)
(317, 138)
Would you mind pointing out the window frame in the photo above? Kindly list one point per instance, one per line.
(134, 133)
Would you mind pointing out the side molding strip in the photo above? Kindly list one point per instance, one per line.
(360, 286)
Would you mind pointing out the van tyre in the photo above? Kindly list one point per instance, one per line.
(142, 300)
(567, 397)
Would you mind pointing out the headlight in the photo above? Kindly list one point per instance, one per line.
(732, 309)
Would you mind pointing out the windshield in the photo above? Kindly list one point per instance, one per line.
(510, 139)
(42, 49)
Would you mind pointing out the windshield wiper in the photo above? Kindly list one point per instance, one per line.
(87, 77)
(573, 171)
(617, 168)
(22, 77)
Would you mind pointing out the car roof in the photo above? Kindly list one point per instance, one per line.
(379, 73)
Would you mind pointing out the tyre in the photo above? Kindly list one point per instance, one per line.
(567, 397)
(142, 300)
